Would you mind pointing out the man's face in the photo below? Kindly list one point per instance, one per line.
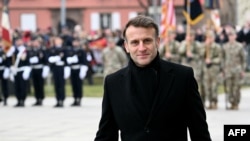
(231, 37)
(111, 44)
(142, 44)
(19, 42)
(76, 43)
(36, 44)
(189, 38)
(58, 42)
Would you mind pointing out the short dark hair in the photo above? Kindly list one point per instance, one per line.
(141, 21)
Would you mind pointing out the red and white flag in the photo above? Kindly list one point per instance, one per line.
(6, 35)
(168, 18)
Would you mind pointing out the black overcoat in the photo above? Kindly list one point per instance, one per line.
(177, 107)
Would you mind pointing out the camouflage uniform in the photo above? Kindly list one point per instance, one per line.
(113, 59)
(211, 71)
(195, 61)
(233, 65)
(173, 47)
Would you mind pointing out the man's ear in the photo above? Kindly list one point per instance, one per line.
(158, 41)
(125, 44)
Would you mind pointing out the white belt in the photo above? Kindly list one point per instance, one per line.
(59, 63)
(39, 66)
(2, 67)
(75, 67)
(21, 69)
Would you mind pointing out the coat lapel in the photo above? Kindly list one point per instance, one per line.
(125, 87)
(165, 84)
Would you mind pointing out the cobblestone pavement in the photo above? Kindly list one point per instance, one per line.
(80, 123)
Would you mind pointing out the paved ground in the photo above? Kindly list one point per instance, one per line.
(80, 124)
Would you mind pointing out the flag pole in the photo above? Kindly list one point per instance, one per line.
(209, 22)
(6, 37)
(166, 21)
(167, 28)
(188, 18)
(188, 25)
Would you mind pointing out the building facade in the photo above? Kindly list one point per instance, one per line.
(99, 14)
(90, 14)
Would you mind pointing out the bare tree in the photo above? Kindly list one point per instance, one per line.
(228, 11)
(145, 4)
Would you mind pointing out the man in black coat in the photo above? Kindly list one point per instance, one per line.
(150, 99)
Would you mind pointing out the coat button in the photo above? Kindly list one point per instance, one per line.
(147, 130)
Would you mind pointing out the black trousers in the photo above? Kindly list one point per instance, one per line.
(76, 83)
(38, 83)
(20, 87)
(59, 82)
(4, 85)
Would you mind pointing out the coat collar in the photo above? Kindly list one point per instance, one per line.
(164, 85)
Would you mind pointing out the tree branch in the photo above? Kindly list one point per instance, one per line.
(143, 5)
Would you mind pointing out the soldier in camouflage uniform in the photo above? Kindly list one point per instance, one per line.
(190, 55)
(113, 57)
(234, 63)
(169, 49)
(211, 56)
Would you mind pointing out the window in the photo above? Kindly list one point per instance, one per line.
(28, 22)
(116, 21)
(95, 21)
(105, 19)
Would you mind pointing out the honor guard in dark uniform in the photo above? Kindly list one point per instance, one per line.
(5, 62)
(20, 72)
(78, 63)
(60, 70)
(40, 70)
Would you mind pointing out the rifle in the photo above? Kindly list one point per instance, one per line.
(226, 94)
(15, 66)
(225, 90)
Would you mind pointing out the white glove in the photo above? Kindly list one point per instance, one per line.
(10, 51)
(73, 59)
(34, 60)
(13, 70)
(89, 57)
(54, 59)
(66, 72)
(6, 73)
(83, 72)
(19, 55)
(12, 79)
(26, 73)
(69, 60)
(45, 71)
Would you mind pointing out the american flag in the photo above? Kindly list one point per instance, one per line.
(168, 18)
(6, 36)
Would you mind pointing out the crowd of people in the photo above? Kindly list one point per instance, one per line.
(71, 55)
(77, 55)
(212, 55)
